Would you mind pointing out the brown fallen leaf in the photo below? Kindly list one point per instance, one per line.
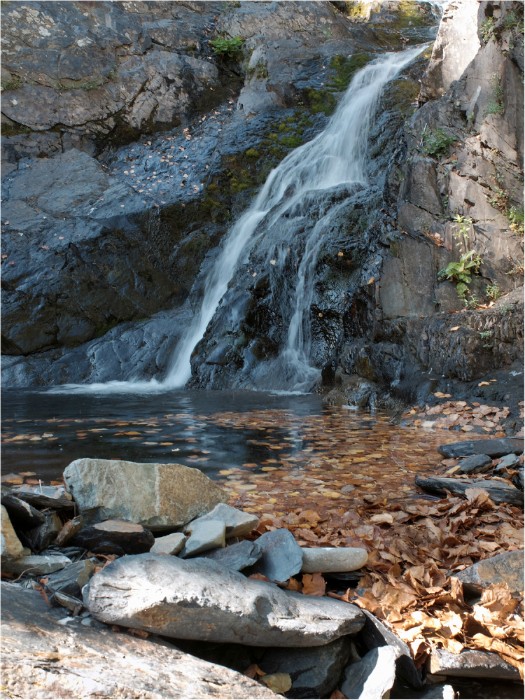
(314, 584)
(253, 671)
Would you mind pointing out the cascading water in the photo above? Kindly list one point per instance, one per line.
(336, 157)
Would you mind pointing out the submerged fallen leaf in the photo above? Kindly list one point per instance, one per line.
(278, 682)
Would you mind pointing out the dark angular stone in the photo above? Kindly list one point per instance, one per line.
(497, 490)
(237, 556)
(115, 537)
(281, 557)
(21, 513)
(492, 447)
(475, 463)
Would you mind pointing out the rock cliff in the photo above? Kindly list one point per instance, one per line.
(133, 138)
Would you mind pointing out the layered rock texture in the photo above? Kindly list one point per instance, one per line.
(133, 138)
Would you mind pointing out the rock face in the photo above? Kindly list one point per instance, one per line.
(196, 599)
(168, 495)
(11, 547)
(104, 663)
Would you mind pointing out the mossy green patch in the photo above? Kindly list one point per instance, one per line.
(344, 68)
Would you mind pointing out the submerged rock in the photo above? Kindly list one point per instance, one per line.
(199, 599)
(158, 496)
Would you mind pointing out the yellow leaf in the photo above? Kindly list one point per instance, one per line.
(455, 328)
(278, 682)
(380, 518)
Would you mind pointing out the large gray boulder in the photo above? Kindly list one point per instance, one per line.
(158, 496)
(198, 599)
(45, 658)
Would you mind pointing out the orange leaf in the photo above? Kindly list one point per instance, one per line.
(314, 584)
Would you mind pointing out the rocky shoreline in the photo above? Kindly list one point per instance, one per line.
(152, 556)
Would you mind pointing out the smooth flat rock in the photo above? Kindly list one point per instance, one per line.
(281, 557)
(497, 490)
(471, 664)
(159, 496)
(371, 677)
(115, 537)
(506, 567)
(204, 535)
(493, 447)
(314, 671)
(236, 556)
(237, 522)
(475, 463)
(376, 634)
(10, 545)
(199, 599)
(169, 544)
(44, 659)
(328, 559)
(35, 564)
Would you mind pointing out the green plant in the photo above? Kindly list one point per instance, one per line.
(495, 104)
(485, 334)
(487, 30)
(512, 20)
(515, 217)
(462, 234)
(493, 292)
(227, 46)
(344, 68)
(461, 272)
(436, 142)
(13, 83)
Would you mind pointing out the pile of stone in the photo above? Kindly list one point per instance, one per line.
(154, 549)
(500, 461)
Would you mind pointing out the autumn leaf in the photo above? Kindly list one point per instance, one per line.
(253, 671)
(278, 682)
(314, 584)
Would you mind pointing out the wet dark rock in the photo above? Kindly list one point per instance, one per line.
(475, 463)
(36, 564)
(498, 491)
(506, 567)
(154, 594)
(236, 556)
(281, 557)
(70, 580)
(41, 536)
(69, 530)
(22, 514)
(373, 676)
(115, 537)
(31, 633)
(492, 447)
(314, 672)
(471, 664)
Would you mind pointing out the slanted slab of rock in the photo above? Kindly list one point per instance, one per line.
(506, 567)
(21, 513)
(371, 677)
(237, 556)
(497, 490)
(169, 544)
(237, 522)
(71, 579)
(204, 535)
(507, 462)
(40, 537)
(314, 671)
(10, 545)
(281, 557)
(158, 496)
(471, 663)
(199, 599)
(36, 564)
(44, 659)
(491, 447)
(45, 496)
(328, 559)
(376, 634)
(115, 537)
(475, 463)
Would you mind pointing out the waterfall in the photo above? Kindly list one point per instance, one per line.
(335, 157)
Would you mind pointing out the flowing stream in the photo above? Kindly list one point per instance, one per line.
(337, 156)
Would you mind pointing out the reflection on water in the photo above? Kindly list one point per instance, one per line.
(225, 434)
